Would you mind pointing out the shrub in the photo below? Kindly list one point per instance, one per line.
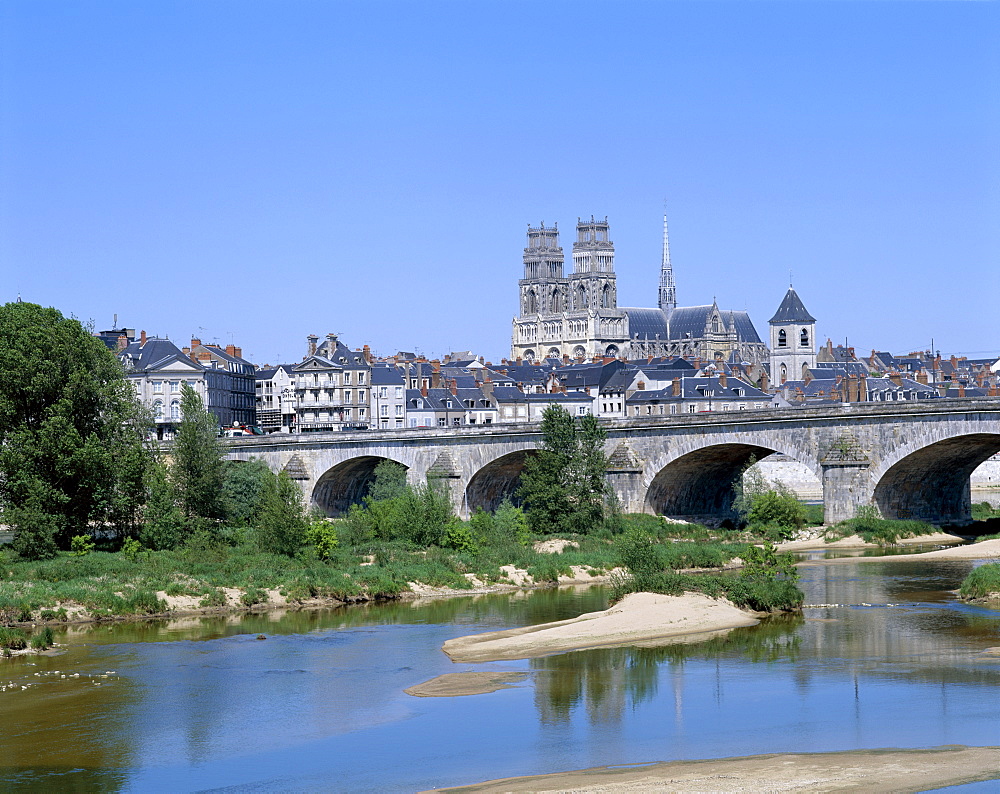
(983, 582)
(81, 545)
(321, 535)
(778, 507)
(131, 549)
(459, 536)
(253, 596)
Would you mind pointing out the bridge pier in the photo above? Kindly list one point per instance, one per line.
(846, 479)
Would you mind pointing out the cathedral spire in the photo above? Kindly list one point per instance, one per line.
(668, 292)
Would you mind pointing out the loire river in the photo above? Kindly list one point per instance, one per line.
(890, 660)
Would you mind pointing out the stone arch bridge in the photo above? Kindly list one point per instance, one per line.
(913, 459)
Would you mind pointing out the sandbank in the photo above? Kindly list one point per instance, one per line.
(857, 542)
(457, 684)
(858, 770)
(640, 618)
(984, 550)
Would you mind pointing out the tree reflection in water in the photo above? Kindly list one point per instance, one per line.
(609, 681)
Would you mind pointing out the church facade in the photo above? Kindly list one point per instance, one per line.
(578, 315)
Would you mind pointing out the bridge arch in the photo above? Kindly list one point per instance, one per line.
(346, 483)
(930, 482)
(696, 479)
(496, 481)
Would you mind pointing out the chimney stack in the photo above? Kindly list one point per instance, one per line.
(122, 342)
(368, 354)
(231, 349)
(765, 381)
(723, 380)
(961, 388)
(896, 379)
(312, 339)
(675, 387)
(142, 338)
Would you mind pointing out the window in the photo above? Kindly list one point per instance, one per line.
(447, 403)
(782, 338)
(457, 421)
(383, 392)
(384, 424)
(442, 422)
(361, 395)
(399, 392)
(582, 410)
(673, 409)
(383, 410)
(726, 407)
(691, 408)
(157, 387)
(347, 378)
(399, 423)
(742, 406)
(361, 378)
(348, 396)
(804, 338)
(413, 422)
(175, 410)
(175, 386)
(158, 409)
(362, 412)
(399, 410)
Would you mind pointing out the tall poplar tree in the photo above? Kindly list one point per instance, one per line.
(198, 469)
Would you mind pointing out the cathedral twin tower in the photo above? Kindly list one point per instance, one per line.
(578, 316)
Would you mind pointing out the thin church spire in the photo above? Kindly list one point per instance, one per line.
(668, 291)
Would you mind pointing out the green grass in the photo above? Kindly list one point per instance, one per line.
(982, 582)
(882, 531)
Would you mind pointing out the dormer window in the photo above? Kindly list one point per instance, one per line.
(447, 403)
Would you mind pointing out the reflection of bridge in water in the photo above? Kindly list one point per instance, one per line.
(911, 459)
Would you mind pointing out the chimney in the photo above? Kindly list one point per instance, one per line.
(122, 342)
(231, 350)
(896, 379)
(186, 351)
(723, 380)
(800, 396)
(367, 353)
(194, 342)
(239, 352)
(435, 374)
(922, 377)
(565, 358)
(961, 388)
(765, 381)
(862, 388)
(331, 344)
(852, 388)
(649, 359)
(641, 385)
(423, 391)
(675, 387)
(453, 387)
(142, 338)
(517, 361)
(942, 389)
(312, 339)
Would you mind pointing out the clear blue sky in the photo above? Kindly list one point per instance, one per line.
(259, 171)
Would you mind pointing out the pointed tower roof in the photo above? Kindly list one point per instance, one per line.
(791, 310)
(668, 290)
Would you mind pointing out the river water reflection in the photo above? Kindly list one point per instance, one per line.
(890, 660)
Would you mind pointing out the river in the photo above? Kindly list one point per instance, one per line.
(891, 659)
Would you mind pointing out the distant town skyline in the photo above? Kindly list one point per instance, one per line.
(253, 174)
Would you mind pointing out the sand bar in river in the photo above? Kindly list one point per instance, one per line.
(640, 618)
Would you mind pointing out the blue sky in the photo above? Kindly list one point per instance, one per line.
(258, 171)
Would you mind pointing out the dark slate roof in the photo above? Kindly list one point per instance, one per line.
(342, 355)
(154, 354)
(508, 394)
(560, 397)
(701, 389)
(386, 376)
(791, 310)
(829, 369)
(646, 323)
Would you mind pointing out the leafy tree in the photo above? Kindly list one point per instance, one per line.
(71, 432)
(243, 489)
(563, 485)
(163, 525)
(281, 524)
(389, 482)
(198, 471)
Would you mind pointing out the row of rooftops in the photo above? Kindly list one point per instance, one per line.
(836, 369)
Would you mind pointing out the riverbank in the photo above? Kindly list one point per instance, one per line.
(638, 619)
(983, 550)
(889, 770)
(818, 542)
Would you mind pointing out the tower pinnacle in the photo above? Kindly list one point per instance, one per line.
(668, 291)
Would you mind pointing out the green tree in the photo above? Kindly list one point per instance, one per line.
(243, 489)
(71, 432)
(198, 469)
(281, 523)
(163, 521)
(563, 484)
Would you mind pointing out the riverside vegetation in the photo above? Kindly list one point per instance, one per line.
(104, 523)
